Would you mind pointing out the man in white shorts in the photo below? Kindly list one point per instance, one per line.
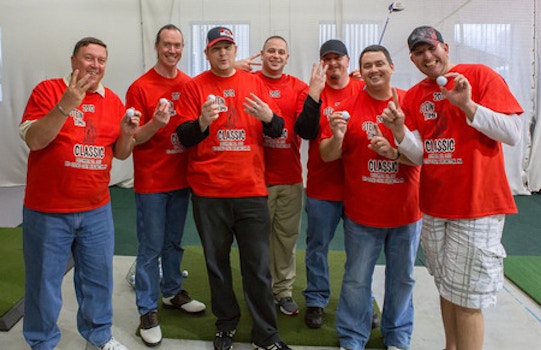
(455, 129)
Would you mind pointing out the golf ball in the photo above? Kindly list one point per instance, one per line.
(345, 115)
(441, 80)
(163, 100)
(184, 273)
(211, 97)
(130, 112)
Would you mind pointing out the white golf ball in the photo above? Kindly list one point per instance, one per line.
(184, 273)
(163, 100)
(130, 112)
(441, 80)
(345, 115)
(211, 97)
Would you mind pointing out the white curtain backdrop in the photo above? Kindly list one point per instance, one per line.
(37, 38)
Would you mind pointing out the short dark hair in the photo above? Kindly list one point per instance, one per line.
(274, 37)
(168, 27)
(376, 48)
(87, 41)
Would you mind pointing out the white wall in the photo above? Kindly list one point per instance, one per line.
(37, 42)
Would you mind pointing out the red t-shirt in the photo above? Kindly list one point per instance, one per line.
(160, 163)
(282, 155)
(72, 173)
(325, 181)
(229, 163)
(378, 192)
(463, 173)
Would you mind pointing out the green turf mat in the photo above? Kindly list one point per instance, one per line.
(11, 268)
(525, 272)
(176, 324)
(521, 231)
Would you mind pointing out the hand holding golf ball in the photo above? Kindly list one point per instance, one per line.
(441, 80)
(130, 121)
(209, 112)
(345, 115)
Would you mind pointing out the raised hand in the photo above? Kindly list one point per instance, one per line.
(381, 145)
(460, 94)
(162, 112)
(76, 91)
(258, 108)
(317, 80)
(130, 122)
(339, 124)
(248, 64)
(210, 111)
(393, 117)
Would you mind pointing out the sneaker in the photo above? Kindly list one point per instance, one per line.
(182, 301)
(393, 348)
(314, 317)
(149, 329)
(288, 306)
(112, 344)
(276, 346)
(224, 340)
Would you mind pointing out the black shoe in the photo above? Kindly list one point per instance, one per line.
(375, 319)
(314, 317)
(276, 346)
(224, 340)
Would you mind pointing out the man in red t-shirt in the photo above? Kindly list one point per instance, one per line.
(224, 114)
(456, 119)
(73, 127)
(161, 189)
(283, 171)
(330, 84)
(381, 209)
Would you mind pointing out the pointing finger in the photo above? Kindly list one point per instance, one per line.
(395, 99)
(378, 130)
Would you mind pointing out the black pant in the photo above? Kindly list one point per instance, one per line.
(218, 221)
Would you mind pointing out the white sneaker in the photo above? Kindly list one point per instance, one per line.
(112, 344)
(393, 348)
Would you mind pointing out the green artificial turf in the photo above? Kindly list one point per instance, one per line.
(525, 272)
(11, 268)
(176, 324)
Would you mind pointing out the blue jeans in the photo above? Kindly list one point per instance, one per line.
(48, 241)
(363, 246)
(160, 227)
(323, 218)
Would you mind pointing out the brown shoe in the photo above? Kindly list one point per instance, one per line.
(149, 329)
(183, 302)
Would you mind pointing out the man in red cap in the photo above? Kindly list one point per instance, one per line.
(455, 131)
(224, 115)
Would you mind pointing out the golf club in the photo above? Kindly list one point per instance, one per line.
(395, 6)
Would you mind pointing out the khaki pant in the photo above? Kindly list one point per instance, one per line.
(285, 205)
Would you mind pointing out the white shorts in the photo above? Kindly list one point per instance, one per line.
(466, 258)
